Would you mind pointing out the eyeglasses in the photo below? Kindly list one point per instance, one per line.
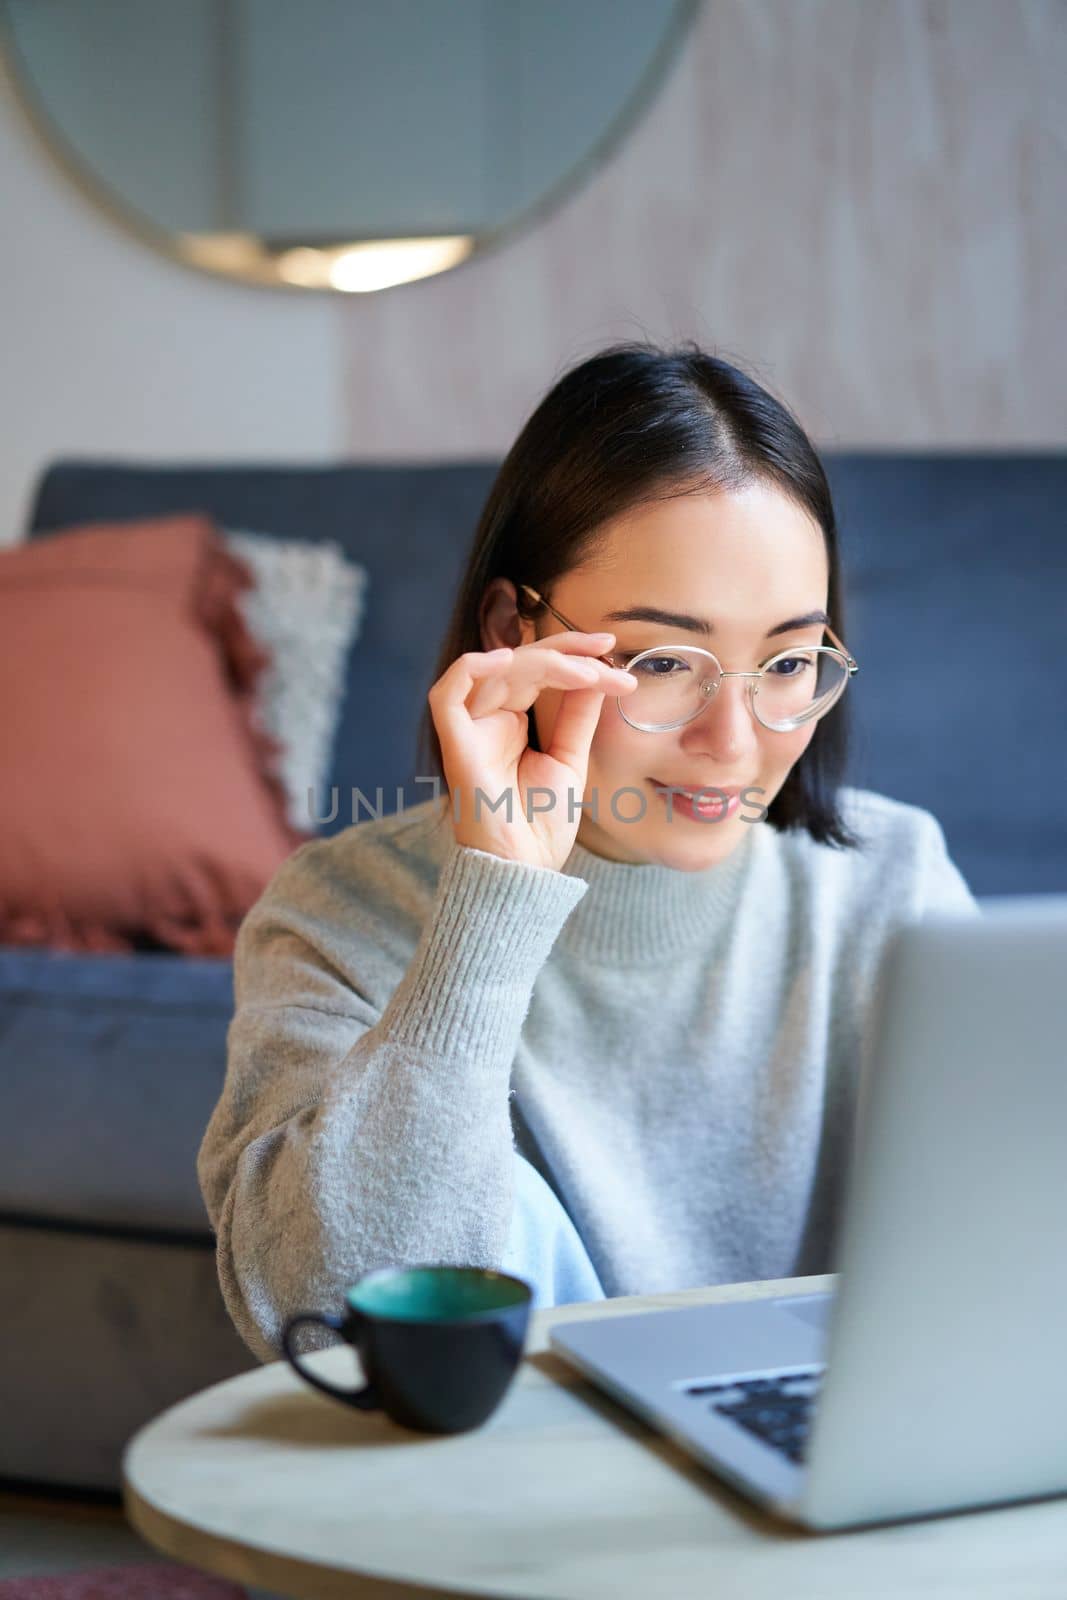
(676, 682)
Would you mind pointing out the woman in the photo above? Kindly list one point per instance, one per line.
(572, 1018)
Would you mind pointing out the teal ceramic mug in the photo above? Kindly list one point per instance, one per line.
(439, 1345)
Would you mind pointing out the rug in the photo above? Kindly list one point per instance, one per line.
(151, 1580)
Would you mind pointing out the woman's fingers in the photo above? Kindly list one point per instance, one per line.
(448, 694)
(517, 683)
(483, 749)
(480, 684)
(573, 730)
(571, 642)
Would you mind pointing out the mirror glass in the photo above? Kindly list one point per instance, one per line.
(344, 144)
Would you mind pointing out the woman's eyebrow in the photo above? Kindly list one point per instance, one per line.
(682, 619)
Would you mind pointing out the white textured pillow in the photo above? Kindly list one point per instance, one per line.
(306, 609)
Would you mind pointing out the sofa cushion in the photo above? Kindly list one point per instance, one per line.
(100, 1336)
(111, 1067)
(139, 797)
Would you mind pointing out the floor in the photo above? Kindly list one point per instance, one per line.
(42, 1533)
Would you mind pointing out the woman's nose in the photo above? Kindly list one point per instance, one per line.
(726, 725)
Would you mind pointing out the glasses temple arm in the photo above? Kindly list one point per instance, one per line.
(852, 665)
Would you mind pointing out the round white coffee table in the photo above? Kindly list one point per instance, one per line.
(560, 1494)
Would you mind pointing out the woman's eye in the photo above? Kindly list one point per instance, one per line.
(659, 667)
(796, 662)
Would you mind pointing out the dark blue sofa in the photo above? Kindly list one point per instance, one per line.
(956, 593)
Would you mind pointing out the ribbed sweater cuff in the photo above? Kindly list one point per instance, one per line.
(488, 935)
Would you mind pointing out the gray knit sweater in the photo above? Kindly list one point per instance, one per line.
(612, 1079)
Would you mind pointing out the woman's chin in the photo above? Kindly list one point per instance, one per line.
(682, 845)
(699, 853)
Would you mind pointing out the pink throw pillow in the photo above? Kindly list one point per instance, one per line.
(136, 795)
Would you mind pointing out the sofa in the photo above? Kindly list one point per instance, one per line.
(110, 1065)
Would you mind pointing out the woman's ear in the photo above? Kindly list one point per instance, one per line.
(498, 617)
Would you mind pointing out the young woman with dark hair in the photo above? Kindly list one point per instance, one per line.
(596, 1013)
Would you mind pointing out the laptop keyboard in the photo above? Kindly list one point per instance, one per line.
(778, 1410)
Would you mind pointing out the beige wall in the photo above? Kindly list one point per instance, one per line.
(107, 348)
(863, 200)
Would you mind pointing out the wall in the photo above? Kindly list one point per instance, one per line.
(110, 349)
(864, 200)
(865, 203)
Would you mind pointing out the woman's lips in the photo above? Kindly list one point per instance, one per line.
(715, 804)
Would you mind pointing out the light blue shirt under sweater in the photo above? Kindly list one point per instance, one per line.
(612, 1079)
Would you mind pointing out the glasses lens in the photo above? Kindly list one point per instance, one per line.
(799, 686)
(674, 686)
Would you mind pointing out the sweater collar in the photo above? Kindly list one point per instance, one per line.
(635, 914)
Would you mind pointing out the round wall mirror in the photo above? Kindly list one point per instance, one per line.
(335, 144)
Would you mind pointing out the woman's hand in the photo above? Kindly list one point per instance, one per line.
(479, 708)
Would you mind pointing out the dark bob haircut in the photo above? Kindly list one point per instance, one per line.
(633, 424)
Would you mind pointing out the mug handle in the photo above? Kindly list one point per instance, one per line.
(367, 1398)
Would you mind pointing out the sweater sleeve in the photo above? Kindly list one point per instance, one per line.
(346, 1140)
(942, 886)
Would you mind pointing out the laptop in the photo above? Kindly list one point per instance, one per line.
(934, 1378)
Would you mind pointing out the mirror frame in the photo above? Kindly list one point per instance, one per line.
(243, 258)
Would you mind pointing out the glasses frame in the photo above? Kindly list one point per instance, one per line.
(838, 649)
